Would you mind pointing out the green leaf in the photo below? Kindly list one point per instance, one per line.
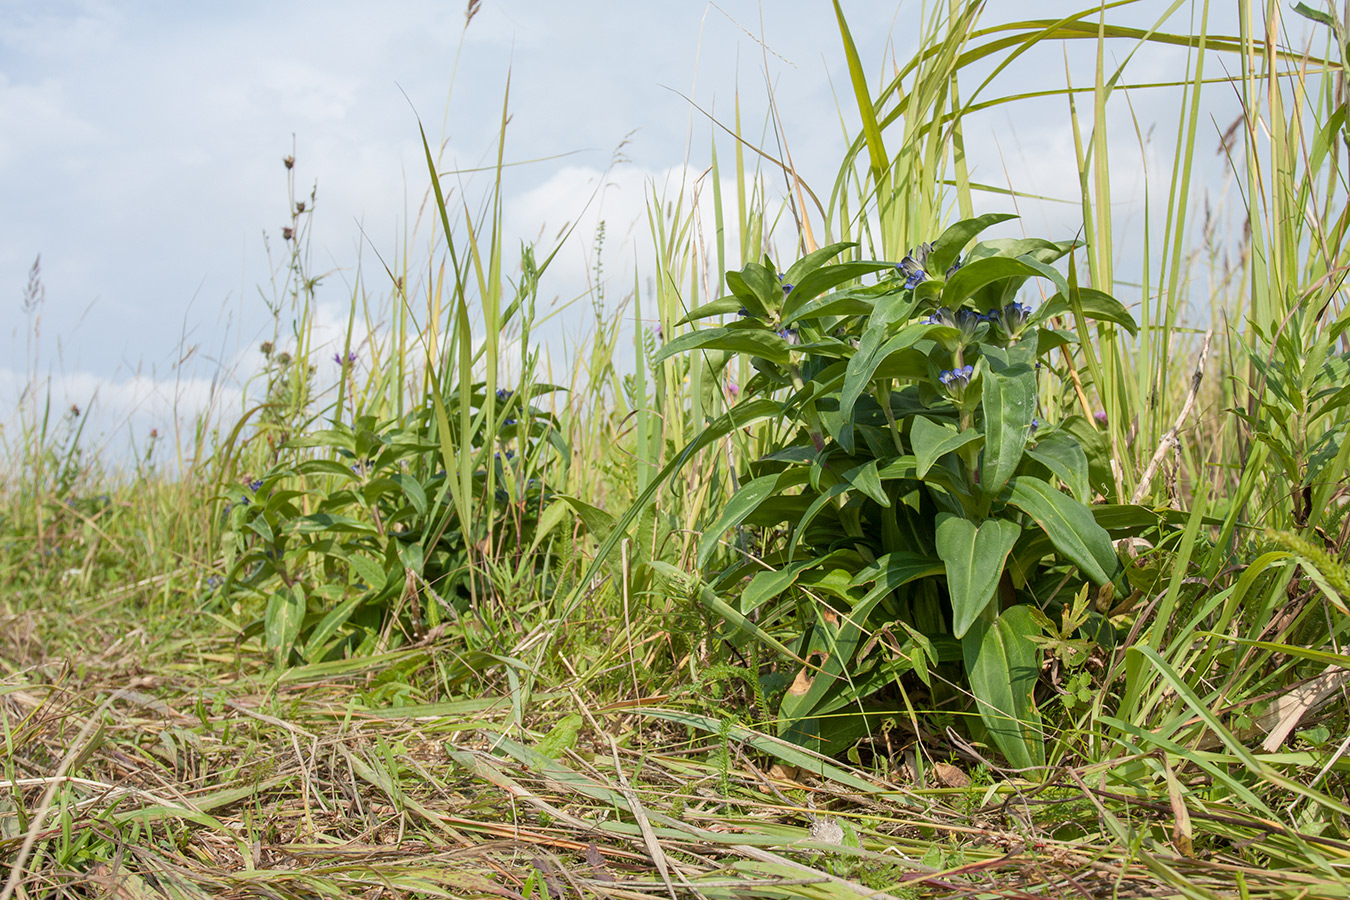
(764, 586)
(329, 522)
(947, 247)
(1061, 454)
(720, 307)
(1003, 665)
(316, 647)
(873, 350)
(753, 340)
(368, 570)
(413, 490)
(1069, 525)
(818, 282)
(1096, 305)
(1315, 15)
(760, 290)
(742, 504)
(326, 467)
(968, 279)
(560, 737)
(864, 479)
(893, 570)
(1009, 400)
(856, 301)
(974, 559)
(933, 440)
(281, 622)
(814, 260)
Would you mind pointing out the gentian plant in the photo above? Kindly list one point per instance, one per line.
(917, 509)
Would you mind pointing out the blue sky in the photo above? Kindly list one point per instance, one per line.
(141, 146)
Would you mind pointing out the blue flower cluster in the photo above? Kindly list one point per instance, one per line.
(956, 380)
(912, 266)
(1011, 320)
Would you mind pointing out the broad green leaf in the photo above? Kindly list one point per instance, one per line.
(1038, 248)
(947, 247)
(1096, 305)
(821, 280)
(864, 479)
(281, 622)
(933, 440)
(814, 260)
(413, 490)
(749, 297)
(560, 737)
(326, 467)
(742, 504)
(1069, 525)
(764, 586)
(974, 559)
(758, 281)
(316, 647)
(721, 307)
(1061, 454)
(756, 341)
(968, 279)
(1009, 402)
(330, 522)
(1003, 665)
(368, 570)
(873, 350)
(894, 570)
(855, 301)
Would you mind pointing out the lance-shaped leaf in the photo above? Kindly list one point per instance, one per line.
(743, 503)
(974, 559)
(968, 279)
(754, 341)
(1064, 456)
(1008, 400)
(874, 348)
(815, 283)
(932, 440)
(720, 307)
(1003, 665)
(1096, 304)
(947, 247)
(1069, 525)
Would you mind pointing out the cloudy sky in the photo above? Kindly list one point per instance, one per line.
(141, 146)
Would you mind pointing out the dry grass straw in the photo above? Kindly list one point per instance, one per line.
(164, 778)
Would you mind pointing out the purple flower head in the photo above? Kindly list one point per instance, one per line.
(345, 361)
(955, 381)
(912, 265)
(1100, 416)
(1011, 319)
(941, 316)
(733, 389)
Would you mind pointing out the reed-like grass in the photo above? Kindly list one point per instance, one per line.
(579, 725)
